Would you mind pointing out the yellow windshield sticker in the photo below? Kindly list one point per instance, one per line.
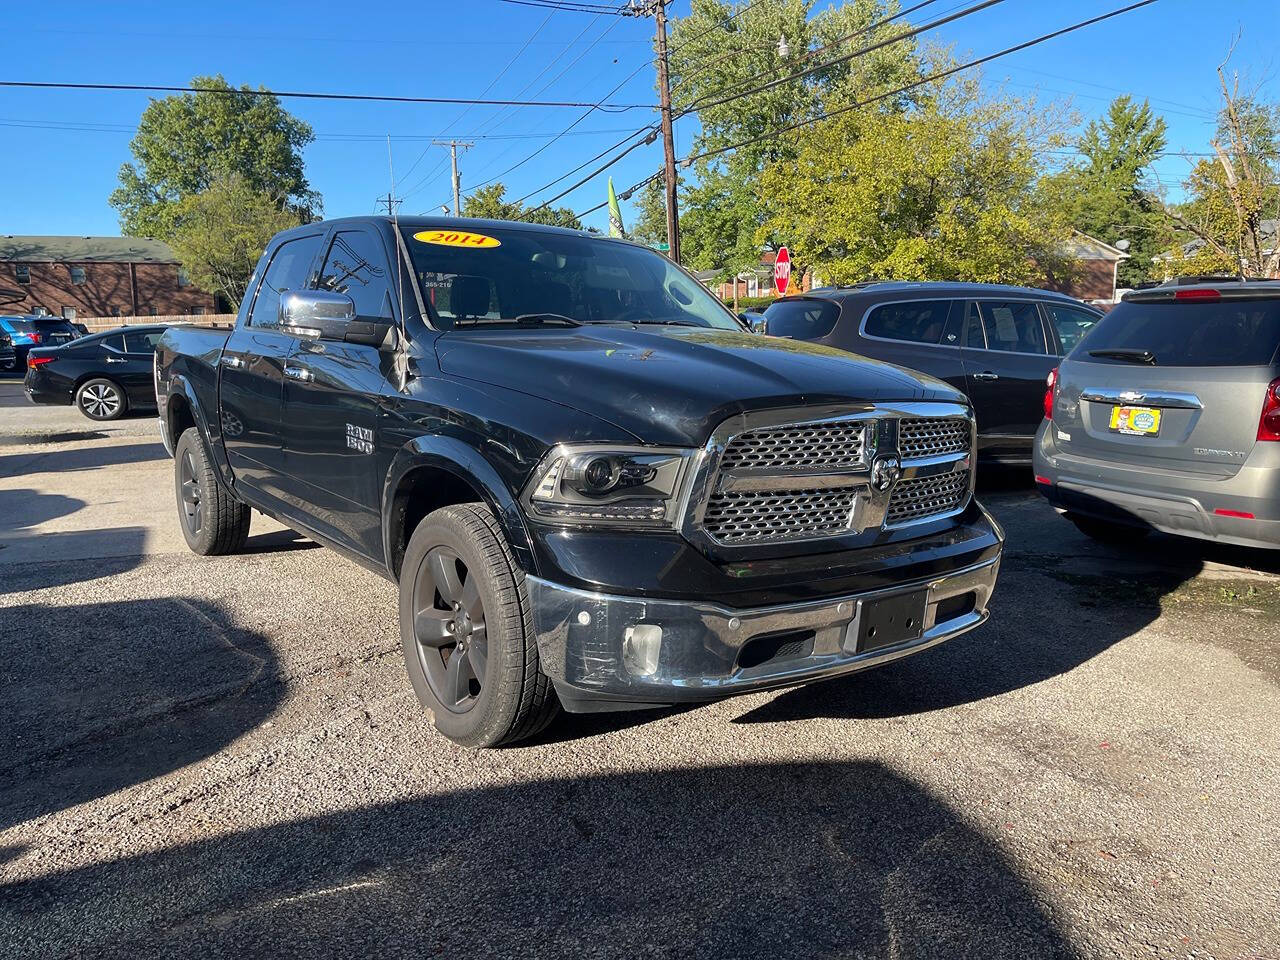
(457, 238)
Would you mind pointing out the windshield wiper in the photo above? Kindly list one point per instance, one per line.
(1121, 353)
(537, 318)
(667, 323)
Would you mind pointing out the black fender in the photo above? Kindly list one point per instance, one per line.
(469, 465)
(179, 385)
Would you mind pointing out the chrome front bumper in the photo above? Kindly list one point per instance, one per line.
(599, 649)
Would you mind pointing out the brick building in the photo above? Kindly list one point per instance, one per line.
(77, 277)
(1096, 265)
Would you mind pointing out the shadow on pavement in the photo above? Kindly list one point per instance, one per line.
(81, 458)
(278, 541)
(23, 509)
(98, 697)
(826, 859)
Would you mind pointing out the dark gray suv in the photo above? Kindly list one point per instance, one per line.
(1167, 416)
(996, 343)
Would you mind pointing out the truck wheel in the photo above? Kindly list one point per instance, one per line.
(467, 631)
(101, 400)
(1104, 531)
(212, 520)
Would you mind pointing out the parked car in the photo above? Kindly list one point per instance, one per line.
(593, 485)
(995, 343)
(1166, 416)
(105, 374)
(8, 357)
(34, 331)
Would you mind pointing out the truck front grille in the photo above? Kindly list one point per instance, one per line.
(927, 497)
(811, 447)
(931, 437)
(782, 482)
(756, 517)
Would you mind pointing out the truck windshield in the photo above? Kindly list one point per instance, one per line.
(1226, 333)
(493, 276)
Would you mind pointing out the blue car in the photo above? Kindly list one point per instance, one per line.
(25, 332)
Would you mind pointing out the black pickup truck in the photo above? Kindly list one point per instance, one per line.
(595, 488)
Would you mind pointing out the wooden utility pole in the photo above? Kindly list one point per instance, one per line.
(668, 138)
(453, 146)
(658, 10)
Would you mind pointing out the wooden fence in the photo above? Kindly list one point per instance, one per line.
(98, 324)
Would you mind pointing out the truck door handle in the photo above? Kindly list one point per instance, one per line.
(232, 361)
(986, 375)
(299, 373)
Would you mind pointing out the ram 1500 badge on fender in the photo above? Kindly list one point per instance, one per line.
(593, 486)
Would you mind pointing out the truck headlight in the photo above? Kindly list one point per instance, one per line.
(590, 483)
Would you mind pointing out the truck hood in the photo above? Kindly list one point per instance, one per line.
(672, 385)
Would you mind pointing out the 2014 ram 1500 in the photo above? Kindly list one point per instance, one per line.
(593, 486)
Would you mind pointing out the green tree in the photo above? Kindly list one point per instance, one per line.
(1233, 192)
(723, 48)
(943, 191)
(186, 142)
(1106, 194)
(490, 203)
(222, 231)
(649, 219)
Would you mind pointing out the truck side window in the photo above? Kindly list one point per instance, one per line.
(1013, 326)
(286, 271)
(917, 321)
(357, 266)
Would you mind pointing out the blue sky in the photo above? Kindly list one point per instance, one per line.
(60, 151)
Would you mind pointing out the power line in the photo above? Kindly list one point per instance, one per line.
(572, 7)
(932, 78)
(308, 95)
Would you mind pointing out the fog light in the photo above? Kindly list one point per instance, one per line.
(641, 645)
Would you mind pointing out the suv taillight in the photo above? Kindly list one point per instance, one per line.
(33, 337)
(1050, 392)
(1269, 424)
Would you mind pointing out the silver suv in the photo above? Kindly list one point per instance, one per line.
(1166, 416)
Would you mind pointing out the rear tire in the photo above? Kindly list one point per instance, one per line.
(212, 520)
(466, 627)
(1105, 531)
(101, 399)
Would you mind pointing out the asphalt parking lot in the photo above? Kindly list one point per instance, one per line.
(223, 758)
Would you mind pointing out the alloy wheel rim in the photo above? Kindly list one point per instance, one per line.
(101, 400)
(192, 507)
(449, 629)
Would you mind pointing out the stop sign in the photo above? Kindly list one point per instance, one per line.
(782, 271)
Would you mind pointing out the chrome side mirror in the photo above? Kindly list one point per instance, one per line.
(325, 315)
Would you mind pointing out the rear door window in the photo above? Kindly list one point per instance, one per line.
(288, 270)
(113, 342)
(1070, 324)
(917, 321)
(801, 319)
(1012, 326)
(1228, 333)
(142, 341)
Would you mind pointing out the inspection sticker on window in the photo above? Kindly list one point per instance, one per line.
(457, 238)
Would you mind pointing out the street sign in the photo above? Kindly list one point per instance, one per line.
(664, 246)
(782, 271)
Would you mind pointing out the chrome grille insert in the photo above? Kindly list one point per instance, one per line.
(831, 446)
(932, 437)
(927, 497)
(755, 517)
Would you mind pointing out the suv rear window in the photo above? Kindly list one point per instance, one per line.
(54, 326)
(919, 321)
(1228, 333)
(801, 319)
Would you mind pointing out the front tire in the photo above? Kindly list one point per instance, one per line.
(467, 631)
(101, 399)
(212, 520)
